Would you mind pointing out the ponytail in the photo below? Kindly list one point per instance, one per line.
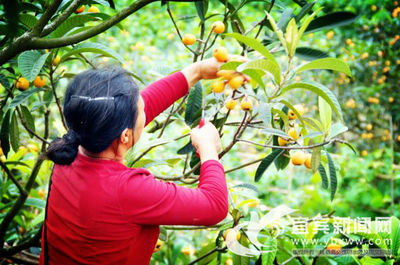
(63, 150)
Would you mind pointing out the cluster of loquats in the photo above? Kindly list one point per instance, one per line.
(217, 27)
(91, 9)
(158, 246)
(23, 84)
(298, 158)
(230, 78)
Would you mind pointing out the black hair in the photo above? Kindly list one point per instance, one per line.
(98, 105)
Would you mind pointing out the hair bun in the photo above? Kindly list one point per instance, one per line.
(63, 150)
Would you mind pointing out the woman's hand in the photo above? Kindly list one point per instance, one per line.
(206, 69)
(207, 142)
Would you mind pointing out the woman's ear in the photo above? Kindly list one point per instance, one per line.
(126, 136)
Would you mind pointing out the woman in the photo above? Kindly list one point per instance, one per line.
(98, 210)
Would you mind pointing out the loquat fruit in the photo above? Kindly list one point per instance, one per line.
(93, 9)
(218, 27)
(236, 82)
(188, 251)
(398, 138)
(364, 55)
(22, 84)
(391, 99)
(351, 104)
(80, 9)
(374, 8)
(158, 246)
(230, 104)
(39, 81)
(41, 193)
(218, 86)
(330, 34)
(56, 60)
(226, 74)
(369, 127)
(298, 158)
(221, 54)
(246, 105)
(293, 133)
(229, 261)
(307, 162)
(189, 39)
(282, 141)
(334, 249)
(299, 108)
(227, 231)
(364, 152)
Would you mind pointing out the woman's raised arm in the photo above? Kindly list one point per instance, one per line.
(161, 94)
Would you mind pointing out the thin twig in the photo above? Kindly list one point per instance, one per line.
(29, 129)
(292, 147)
(53, 89)
(13, 179)
(177, 29)
(243, 165)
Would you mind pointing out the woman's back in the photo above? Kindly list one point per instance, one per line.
(85, 221)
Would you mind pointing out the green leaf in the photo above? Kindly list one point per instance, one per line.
(14, 132)
(230, 65)
(5, 132)
(326, 64)
(21, 97)
(28, 118)
(271, 248)
(395, 236)
(291, 36)
(35, 202)
(313, 123)
(282, 115)
(276, 132)
(264, 112)
(30, 63)
(331, 20)
(265, 65)
(304, 10)
(332, 176)
(4, 81)
(28, 20)
(71, 23)
(306, 23)
(255, 75)
(325, 113)
(310, 54)
(254, 44)
(207, 248)
(323, 175)
(282, 161)
(187, 148)
(277, 31)
(193, 103)
(321, 91)
(315, 159)
(284, 18)
(95, 48)
(201, 9)
(336, 129)
(266, 162)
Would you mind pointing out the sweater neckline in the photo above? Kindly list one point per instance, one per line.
(84, 157)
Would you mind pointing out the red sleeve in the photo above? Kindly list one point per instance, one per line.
(146, 200)
(163, 93)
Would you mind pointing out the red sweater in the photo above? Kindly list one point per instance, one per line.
(102, 212)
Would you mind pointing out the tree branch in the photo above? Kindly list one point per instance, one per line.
(53, 89)
(38, 27)
(28, 42)
(61, 18)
